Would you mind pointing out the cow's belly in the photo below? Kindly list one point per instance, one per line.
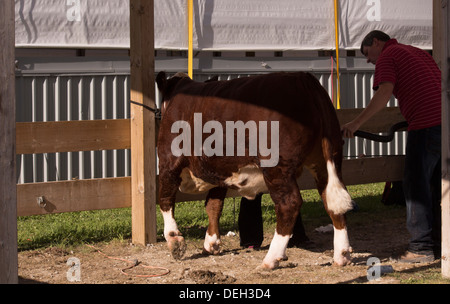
(248, 181)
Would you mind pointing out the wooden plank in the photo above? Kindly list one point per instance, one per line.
(71, 136)
(380, 122)
(8, 220)
(77, 195)
(93, 135)
(373, 170)
(143, 131)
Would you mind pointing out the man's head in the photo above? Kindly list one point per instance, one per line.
(373, 44)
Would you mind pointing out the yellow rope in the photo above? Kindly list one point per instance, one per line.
(336, 27)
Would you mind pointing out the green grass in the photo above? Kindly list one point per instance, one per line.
(73, 228)
(68, 229)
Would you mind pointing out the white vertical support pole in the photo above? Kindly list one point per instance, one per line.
(441, 11)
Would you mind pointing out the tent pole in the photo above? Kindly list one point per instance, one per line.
(336, 28)
(190, 38)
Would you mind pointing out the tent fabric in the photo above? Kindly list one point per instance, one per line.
(221, 25)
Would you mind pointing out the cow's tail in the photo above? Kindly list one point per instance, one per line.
(337, 198)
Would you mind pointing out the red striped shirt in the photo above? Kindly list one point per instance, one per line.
(417, 83)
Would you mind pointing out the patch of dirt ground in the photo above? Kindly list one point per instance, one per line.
(235, 265)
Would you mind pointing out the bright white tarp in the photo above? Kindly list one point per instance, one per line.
(224, 24)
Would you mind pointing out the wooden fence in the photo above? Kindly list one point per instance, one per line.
(108, 193)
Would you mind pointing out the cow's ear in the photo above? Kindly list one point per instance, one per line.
(161, 81)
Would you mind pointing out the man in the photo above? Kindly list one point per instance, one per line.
(412, 76)
(250, 224)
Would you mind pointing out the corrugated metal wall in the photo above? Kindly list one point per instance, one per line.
(47, 92)
(72, 97)
(356, 92)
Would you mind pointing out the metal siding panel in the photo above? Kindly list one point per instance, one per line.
(106, 96)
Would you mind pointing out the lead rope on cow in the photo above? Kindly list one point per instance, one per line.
(134, 264)
(382, 138)
(156, 111)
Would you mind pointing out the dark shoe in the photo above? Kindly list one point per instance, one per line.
(412, 258)
(251, 246)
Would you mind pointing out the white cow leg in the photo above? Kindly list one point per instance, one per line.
(214, 206)
(342, 247)
(173, 236)
(211, 244)
(277, 251)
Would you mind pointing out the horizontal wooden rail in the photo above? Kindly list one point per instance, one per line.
(72, 136)
(380, 122)
(75, 195)
(94, 135)
(109, 193)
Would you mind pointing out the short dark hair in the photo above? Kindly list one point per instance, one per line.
(368, 40)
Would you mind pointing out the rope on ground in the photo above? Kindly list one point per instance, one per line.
(135, 263)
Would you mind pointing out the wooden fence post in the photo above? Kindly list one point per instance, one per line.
(8, 198)
(442, 25)
(143, 142)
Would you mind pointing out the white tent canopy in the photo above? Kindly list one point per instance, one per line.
(224, 24)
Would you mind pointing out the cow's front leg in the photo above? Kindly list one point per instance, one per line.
(288, 201)
(174, 238)
(169, 181)
(277, 251)
(167, 193)
(214, 206)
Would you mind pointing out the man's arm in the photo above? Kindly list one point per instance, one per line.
(376, 104)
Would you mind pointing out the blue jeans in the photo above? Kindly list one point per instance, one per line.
(422, 189)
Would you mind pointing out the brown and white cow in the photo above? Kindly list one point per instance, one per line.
(295, 105)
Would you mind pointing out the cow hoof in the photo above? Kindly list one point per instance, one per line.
(211, 244)
(214, 250)
(344, 258)
(269, 265)
(177, 246)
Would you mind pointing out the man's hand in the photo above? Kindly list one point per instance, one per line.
(376, 104)
(348, 129)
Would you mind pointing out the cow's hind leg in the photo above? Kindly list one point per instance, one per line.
(286, 196)
(214, 206)
(337, 202)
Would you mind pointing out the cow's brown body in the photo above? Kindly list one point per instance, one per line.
(309, 136)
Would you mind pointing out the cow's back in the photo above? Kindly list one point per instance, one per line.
(298, 96)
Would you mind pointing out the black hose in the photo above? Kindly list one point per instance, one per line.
(382, 138)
